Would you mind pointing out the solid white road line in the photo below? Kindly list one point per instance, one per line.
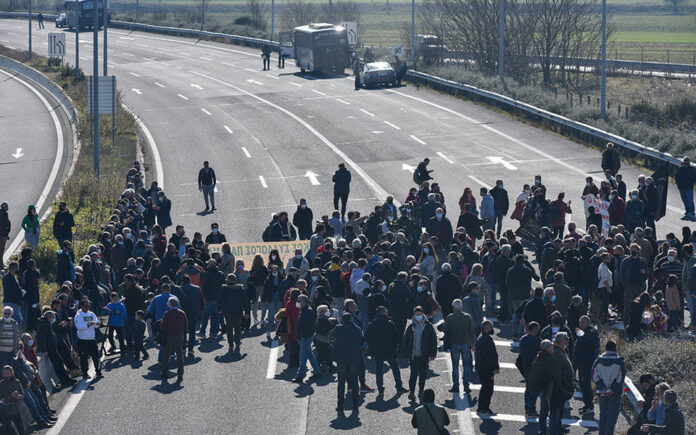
(246, 152)
(295, 84)
(143, 45)
(482, 184)
(417, 140)
(461, 402)
(228, 64)
(378, 190)
(522, 419)
(120, 37)
(183, 97)
(500, 388)
(273, 77)
(366, 112)
(229, 130)
(272, 359)
(205, 111)
(206, 58)
(126, 54)
(149, 59)
(54, 169)
(160, 85)
(445, 158)
(318, 92)
(134, 74)
(159, 169)
(263, 182)
(69, 406)
(250, 70)
(395, 127)
(342, 101)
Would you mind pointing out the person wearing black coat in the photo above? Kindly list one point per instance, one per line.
(193, 307)
(448, 288)
(46, 342)
(529, 347)
(686, 178)
(556, 321)
(303, 219)
(346, 342)
(584, 355)
(383, 338)
(486, 366)
(63, 224)
(399, 301)
(341, 180)
(535, 311)
(501, 204)
(233, 305)
(419, 347)
(304, 331)
(163, 211)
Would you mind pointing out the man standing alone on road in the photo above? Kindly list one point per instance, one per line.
(5, 227)
(685, 178)
(206, 184)
(611, 160)
(356, 72)
(341, 180)
(501, 204)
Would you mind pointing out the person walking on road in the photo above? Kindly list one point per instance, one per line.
(459, 329)
(304, 331)
(608, 374)
(40, 18)
(341, 180)
(5, 227)
(266, 56)
(31, 227)
(174, 325)
(430, 418)
(346, 342)
(86, 323)
(686, 178)
(486, 366)
(585, 354)
(303, 219)
(206, 184)
(233, 305)
(356, 72)
(193, 307)
(611, 160)
(383, 339)
(501, 204)
(529, 347)
(419, 347)
(422, 174)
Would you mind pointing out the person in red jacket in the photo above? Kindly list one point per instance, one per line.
(292, 312)
(617, 209)
(559, 209)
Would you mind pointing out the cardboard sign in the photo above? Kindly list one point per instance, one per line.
(247, 251)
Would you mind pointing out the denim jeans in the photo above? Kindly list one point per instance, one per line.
(306, 354)
(210, 311)
(273, 308)
(529, 401)
(348, 373)
(609, 407)
(379, 372)
(463, 351)
(687, 197)
(691, 301)
(517, 327)
(492, 290)
(209, 192)
(498, 221)
(192, 324)
(17, 314)
(543, 412)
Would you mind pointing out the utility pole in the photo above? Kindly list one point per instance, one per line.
(104, 4)
(330, 12)
(202, 15)
(501, 42)
(604, 60)
(77, 39)
(29, 29)
(137, 10)
(272, 18)
(413, 30)
(95, 88)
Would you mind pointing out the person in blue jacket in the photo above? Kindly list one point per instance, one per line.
(117, 319)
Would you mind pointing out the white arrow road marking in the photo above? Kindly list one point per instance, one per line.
(134, 74)
(254, 82)
(183, 97)
(137, 91)
(405, 167)
(312, 178)
(246, 152)
(501, 160)
(318, 92)
(229, 130)
(445, 158)
(366, 112)
(395, 127)
(205, 111)
(263, 182)
(18, 154)
(160, 85)
(199, 87)
(417, 140)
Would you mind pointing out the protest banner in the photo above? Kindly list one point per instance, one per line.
(247, 251)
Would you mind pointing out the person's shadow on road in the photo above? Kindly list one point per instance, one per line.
(167, 388)
(343, 422)
(381, 405)
(209, 345)
(230, 357)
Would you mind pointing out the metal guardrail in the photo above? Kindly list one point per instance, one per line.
(512, 104)
(633, 395)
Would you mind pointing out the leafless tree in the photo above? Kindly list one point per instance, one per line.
(342, 10)
(298, 13)
(257, 13)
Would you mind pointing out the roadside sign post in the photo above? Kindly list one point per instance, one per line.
(501, 41)
(351, 31)
(29, 29)
(105, 5)
(272, 19)
(602, 111)
(95, 87)
(77, 41)
(56, 45)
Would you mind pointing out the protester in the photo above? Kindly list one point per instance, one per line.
(430, 418)
(174, 325)
(419, 347)
(608, 374)
(383, 339)
(346, 351)
(486, 367)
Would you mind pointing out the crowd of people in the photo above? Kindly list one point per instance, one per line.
(380, 285)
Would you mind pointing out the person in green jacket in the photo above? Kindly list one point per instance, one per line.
(31, 227)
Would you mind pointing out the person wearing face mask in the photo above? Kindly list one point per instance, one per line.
(299, 262)
(617, 209)
(584, 356)
(538, 185)
(316, 280)
(428, 260)
(303, 219)
(322, 333)
(377, 298)
(486, 366)
(46, 347)
(419, 347)
(233, 305)
(215, 235)
(521, 201)
(305, 334)
(634, 272)
(605, 284)
(292, 312)
(440, 226)
(213, 279)
(635, 212)
(271, 297)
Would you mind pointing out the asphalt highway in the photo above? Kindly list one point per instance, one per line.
(265, 133)
(34, 143)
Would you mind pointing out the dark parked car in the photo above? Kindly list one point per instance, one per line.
(377, 73)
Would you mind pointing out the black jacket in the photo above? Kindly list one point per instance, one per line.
(45, 338)
(535, 311)
(212, 283)
(519, 282)
(302, 219)
(206, 177)
(546, 335)
(428, 341)
(500, 199)
(383, 338)
(306, 323)
(674, 421)
(398, 297)
(11, 291)
(341, 179)
(233, 300)
(449, 288)
(586, 348)
(685, 178)
(486, 355)
(529, 346)
(346, 344)
(5, 224)
(64, 231)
